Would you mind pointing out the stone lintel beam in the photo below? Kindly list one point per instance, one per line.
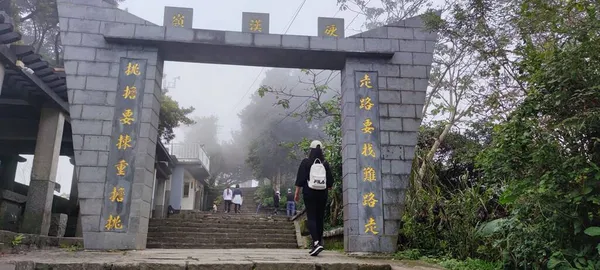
(23, 130)
(249, 49)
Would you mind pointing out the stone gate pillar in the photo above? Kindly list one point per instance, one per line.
(114, 93)
(382, 102)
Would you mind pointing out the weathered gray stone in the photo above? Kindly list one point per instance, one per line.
(236, 38)
(93, 68)
(413, 72)
(149, 32)
(79, 53)
(58, 225)
(423, 34)
(402, 58)
(323, 43)
(386, 166)
(86, 158)
(91, 207)
(422, 58)
(176, 17)
(380, 32)
(387, 70)
(421, 84)
(92, 174)
(391, 124)
(119, 29)
(400, 83)
(409, 97)
(411, 124)
(255, 22)
(412, 45)
(350, 181)
(91, 190)
(403, 138)
(88, 127)
(265, 40)
(92, 40)
(401, 167)
(99, 143)
(378, 45)
(389, 97)
(383, 110)
(392, 152)
(409, 152)
(89, 97)
(109, 55)
(90, 223)
(394, 181)
(180, 34)
(402, 111)
(70, 38)
(385, 137)
(84, 26)
(290, 41)
(92, 112)
(400, 33)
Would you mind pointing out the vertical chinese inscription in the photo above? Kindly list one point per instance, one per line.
(121, 159)
(370, 211)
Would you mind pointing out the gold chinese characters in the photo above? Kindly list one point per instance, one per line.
(369, 200)
(369, 174)
(178, 20)
(117, 194)
(371, 226)
(256, 25)
(367, 126)
(365, 103)
(366, 81)
(113, 222)
(331, 30)
(127, 117)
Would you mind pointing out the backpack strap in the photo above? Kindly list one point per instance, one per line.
(315, 162)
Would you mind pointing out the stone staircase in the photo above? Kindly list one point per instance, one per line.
(201, 230)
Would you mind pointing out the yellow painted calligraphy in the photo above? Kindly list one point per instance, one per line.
(369, 174)
(130, 92)
(117, 194)
(371, 226)
(367, 150)
(367, 126)
(256, 25)
(113, 223)
(124, 142)
(127, 117)
(121, 166)
(133, 69)
(331, 30)
(369, 200)
(178, 20)
(366, 81)
(366, 103)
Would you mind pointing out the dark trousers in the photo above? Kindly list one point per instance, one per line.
(237, 208)
(315, 213)
(227, 205)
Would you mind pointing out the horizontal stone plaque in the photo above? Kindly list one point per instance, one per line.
(121, 160)
(255, 22)
(370, 208)
(178, 17)
(331, 27)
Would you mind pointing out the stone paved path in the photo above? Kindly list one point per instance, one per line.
(233, 259)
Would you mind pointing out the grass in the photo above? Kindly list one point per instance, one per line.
(448, 263)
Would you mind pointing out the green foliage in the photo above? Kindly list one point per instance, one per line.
(17, 240)
(545, 158)
(172, 116)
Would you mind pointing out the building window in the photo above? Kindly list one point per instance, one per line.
(186, 190)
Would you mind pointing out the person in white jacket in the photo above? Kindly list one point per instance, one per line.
(227, 197)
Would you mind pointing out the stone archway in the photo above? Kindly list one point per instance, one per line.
(114, 63)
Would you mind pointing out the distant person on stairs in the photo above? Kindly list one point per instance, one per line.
(314, 178)
(237, 198)
(227, 197)
(276, 198)
(291, 205)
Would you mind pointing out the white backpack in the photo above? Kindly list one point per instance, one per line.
(317, 177)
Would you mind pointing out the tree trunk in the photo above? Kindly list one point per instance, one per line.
(434, 148)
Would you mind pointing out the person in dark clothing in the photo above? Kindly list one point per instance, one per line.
(314, 200)
(291, 204)
(237, 198)
(276, 202)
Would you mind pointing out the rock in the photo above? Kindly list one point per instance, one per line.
(58, 225)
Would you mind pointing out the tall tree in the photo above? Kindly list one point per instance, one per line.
(171, 116)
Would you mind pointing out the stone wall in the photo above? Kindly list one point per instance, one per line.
(92, 68)
(402, 82)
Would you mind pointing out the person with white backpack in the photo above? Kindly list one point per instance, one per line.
(314, 178)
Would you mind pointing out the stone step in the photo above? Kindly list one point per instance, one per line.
(222, 240)
(221, 246)
(204, 231)
(229, 216)
(222, 224)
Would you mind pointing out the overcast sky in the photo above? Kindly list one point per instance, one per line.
(220, 90)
